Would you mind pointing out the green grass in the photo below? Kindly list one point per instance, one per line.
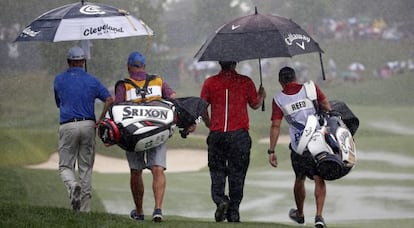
(42, 188)
(26, 146)
(37, 198)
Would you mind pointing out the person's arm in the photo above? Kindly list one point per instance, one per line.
(206, 118)
(255, 98)
(205, 95)
(261, 94)
(173, 95)
(57, 99)
(108, 102)
(55, 91)
(322, 100)
(273, 138)
(167, 91)
(119, 92)
(325, 105)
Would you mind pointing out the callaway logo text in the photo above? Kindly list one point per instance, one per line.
(292, 37)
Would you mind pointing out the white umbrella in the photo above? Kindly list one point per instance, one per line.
(84, 21)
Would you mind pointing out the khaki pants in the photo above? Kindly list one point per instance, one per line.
(77, 145)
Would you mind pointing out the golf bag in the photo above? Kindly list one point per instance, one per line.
(138, 126)
(142, 126)
(328, 137)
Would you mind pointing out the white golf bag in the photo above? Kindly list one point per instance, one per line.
(330, 143)
(138, 126)
(142, 126)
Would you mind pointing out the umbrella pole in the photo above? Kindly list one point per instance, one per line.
(323, 71)
(86, 46)
(261, 82)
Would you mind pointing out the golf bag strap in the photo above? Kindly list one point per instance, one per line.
(141, 91)
(310, 89)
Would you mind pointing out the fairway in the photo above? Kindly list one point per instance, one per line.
(377, 193)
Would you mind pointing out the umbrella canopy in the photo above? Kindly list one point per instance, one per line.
(83, 21)
(257, 36)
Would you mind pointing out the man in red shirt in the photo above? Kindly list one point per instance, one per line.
(294, 104)
(228, 94)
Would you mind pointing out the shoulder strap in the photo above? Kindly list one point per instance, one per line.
(148, 78)
(129, 81)
(139, 91)
(310, 89)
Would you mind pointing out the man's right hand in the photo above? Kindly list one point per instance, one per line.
(273, 159)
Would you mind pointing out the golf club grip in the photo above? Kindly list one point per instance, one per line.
(263, 105)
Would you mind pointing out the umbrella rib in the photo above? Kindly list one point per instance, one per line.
(132, 24)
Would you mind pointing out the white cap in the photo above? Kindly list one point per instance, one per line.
(76, 53)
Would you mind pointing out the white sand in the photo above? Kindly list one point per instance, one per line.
(283, 139)
(178, 160)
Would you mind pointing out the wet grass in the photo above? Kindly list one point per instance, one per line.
(28, 126)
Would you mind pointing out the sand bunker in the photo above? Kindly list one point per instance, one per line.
(178, 160)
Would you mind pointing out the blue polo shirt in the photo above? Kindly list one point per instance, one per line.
(75, 94)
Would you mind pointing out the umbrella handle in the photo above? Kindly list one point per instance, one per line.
(263, 106)
(261, 83)
(323, 71)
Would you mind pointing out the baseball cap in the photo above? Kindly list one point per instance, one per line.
(76, 53)
(136, 59)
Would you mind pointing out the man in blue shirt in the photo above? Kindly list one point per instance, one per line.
(75, 94)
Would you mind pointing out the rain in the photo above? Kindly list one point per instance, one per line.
(368, 62)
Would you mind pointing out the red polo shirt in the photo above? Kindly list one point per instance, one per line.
(228, 94)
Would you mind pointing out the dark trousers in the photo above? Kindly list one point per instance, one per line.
(228, 158)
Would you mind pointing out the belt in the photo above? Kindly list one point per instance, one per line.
(76, 120)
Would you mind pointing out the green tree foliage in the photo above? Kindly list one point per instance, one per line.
(395, 11)
(210, 15)
(197, 19)
(177, 23)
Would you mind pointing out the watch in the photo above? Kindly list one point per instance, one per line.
(269, 151)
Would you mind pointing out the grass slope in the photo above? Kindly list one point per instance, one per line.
(36, 198)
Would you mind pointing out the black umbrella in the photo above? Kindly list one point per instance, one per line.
(188, 110)
(258, 36)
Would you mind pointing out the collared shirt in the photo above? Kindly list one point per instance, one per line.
(120, 91)
(294, 100)
(290, 89)
(228, 94)
(75, 93)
